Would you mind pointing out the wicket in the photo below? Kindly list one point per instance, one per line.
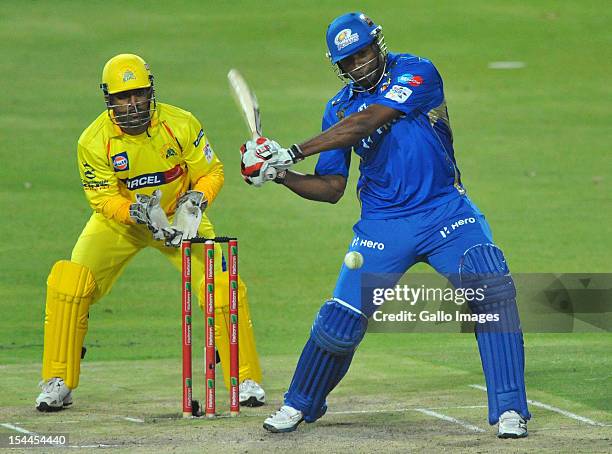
(209, 317)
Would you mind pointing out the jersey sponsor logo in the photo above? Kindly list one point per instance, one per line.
(208, 153)
(367, 244)
(197, 141)
(398, 94)
(455, 225)
(410, 79)
(120, 162)
(153, 179)
(89, 171)
(345, 38)
(95, 185)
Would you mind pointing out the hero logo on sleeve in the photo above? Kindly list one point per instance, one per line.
(153, 179)
(398, 94)
(120, 162)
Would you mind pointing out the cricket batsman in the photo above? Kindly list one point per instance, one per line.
(143, 164)
(392, 114)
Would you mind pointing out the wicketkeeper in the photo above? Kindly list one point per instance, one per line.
(149, 173)
(392, 114)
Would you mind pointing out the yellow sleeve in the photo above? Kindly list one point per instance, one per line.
(204, 167)
(101, 185)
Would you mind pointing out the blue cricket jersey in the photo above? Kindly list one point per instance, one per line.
(407, 165)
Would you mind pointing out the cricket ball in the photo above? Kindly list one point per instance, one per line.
(353, 260)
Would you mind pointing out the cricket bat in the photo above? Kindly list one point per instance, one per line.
(246, 102)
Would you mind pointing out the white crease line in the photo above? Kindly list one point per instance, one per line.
(569, 414)
(99, 445)
(450, 419)
(398, 410)
(17, 428)
(127, 418)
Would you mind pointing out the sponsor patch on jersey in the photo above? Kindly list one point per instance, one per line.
(89, 171)
(197, 141)
(345, 38)
(120, 162)
(398, 94)
(410, 79)
(208, 153)
(153, 179)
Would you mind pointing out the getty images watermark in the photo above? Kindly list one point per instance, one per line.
(411, 296)
(545, 303)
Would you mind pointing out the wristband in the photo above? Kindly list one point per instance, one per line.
(296, 153)
(280, 177)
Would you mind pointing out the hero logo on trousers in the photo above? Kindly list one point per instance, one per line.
(455, 225)
(368, 244)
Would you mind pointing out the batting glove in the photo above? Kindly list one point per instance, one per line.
(264, 158)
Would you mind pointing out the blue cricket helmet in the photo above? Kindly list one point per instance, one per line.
(348, 34)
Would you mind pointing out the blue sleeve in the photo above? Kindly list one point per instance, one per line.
(333, 162)
(415, 84)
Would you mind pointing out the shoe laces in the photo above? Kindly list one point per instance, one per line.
(285, 410)
(49, 385)
(514, 420)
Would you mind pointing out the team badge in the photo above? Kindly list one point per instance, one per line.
(385, 85)
(345, 38)
(170, 152)
(120, 162)
(128, 75)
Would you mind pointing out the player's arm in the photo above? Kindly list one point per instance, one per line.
(101, 186)
(321, 188)
(205, 168)
(350, 130)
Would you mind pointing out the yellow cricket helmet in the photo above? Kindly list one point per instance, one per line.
(125, 72)
(122, 73)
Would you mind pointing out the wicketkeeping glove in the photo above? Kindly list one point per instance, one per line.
(188, 216)
(264, 158)
(147, 210)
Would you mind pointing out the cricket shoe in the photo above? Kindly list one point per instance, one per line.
(286, 419)
(511, 425)
(55, 395)
(251, 394)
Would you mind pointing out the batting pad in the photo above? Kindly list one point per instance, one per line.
(500, 343)
(70, 290)
(327, 355)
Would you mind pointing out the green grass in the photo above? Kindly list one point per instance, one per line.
(532, 144)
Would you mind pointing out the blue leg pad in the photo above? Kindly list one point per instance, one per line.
(500, 342)
(327, 355)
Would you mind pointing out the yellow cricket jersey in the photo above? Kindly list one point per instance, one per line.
(173, 155)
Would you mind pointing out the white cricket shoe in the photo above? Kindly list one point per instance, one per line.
(511, 425)
(251, 394)
(286, 419)
(55, 395)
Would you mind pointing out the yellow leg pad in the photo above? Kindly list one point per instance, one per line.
(70, 290)
(247, 356)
